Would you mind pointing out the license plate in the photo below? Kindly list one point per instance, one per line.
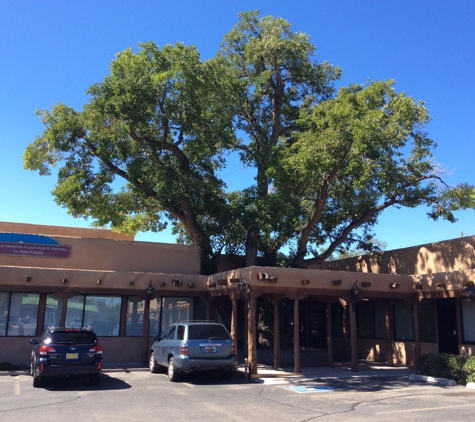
(210, 349)
(72, 355)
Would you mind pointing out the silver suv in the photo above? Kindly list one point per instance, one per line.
(189, 346)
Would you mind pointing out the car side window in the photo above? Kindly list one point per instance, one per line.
(171, 334)
(180, 334)
(165, 333)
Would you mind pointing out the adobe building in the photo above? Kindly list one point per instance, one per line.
(387, 308)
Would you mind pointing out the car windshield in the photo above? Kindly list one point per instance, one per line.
(73, 337)
(207, 332)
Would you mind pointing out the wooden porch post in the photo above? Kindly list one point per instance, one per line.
(297, 367)
(389, 333)
(276, 334)
(354, 345)
(417, 341)
(329, 334)
(234, 334)
(345, 330)
(251, 337)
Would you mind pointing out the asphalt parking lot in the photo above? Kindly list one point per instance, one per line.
(140, 395)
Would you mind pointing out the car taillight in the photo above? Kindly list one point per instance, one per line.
(184, 349)
(44, 350)
(96, 349)
(233, 349)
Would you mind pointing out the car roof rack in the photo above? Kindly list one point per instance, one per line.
(84, 328)
(197, 321)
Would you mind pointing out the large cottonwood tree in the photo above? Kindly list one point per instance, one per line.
(277, 75)
(146, 147)
(149, 146)
(358, 154)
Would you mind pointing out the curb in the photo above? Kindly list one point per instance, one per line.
(434, 380)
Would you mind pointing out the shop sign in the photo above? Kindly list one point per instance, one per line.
(26, 249)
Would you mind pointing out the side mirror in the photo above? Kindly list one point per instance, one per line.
(34, 341)
(156, 337)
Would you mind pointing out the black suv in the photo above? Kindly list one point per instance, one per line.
(65, 352)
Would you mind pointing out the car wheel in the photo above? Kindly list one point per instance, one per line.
(172, 372)
(37, 380)
(225, 374)
(32, 365)
(94, 379)
(153, 365)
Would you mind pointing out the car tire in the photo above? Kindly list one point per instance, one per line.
(153, 365)
(172, 372)
(37, 380)
(95, 379)
(32, 365)
(226, 374)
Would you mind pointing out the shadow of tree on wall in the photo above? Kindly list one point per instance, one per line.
(451, 255)
(403, 353)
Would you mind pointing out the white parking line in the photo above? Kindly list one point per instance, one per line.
(425, 409)
(17, 386)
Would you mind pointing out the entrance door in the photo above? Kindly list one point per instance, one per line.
(447, 326)
(312, 324)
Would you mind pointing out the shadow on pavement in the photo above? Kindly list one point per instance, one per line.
(81, 383)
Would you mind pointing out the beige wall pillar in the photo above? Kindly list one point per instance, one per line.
(41, 312)
(62, 322)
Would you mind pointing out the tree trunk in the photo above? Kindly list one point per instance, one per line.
(251, 249)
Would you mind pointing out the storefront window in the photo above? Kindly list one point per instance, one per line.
(337, 319)
(403, 326)
(155, 316)
(75, 312)
(4, 305)
(363, 319)
(427, 321)
(102, 313)
(23, 314)
(176, 309)
(134, 318)
(54, 306)
(468, 317)
(379, 309)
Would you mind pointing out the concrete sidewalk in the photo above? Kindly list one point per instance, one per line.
(269, 375)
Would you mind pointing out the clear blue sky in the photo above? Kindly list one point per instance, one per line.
(51, 51)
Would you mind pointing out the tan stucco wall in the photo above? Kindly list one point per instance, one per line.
(403, 353)
(114, 255)
(17, 350)
(467, 350)
(450, 255)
